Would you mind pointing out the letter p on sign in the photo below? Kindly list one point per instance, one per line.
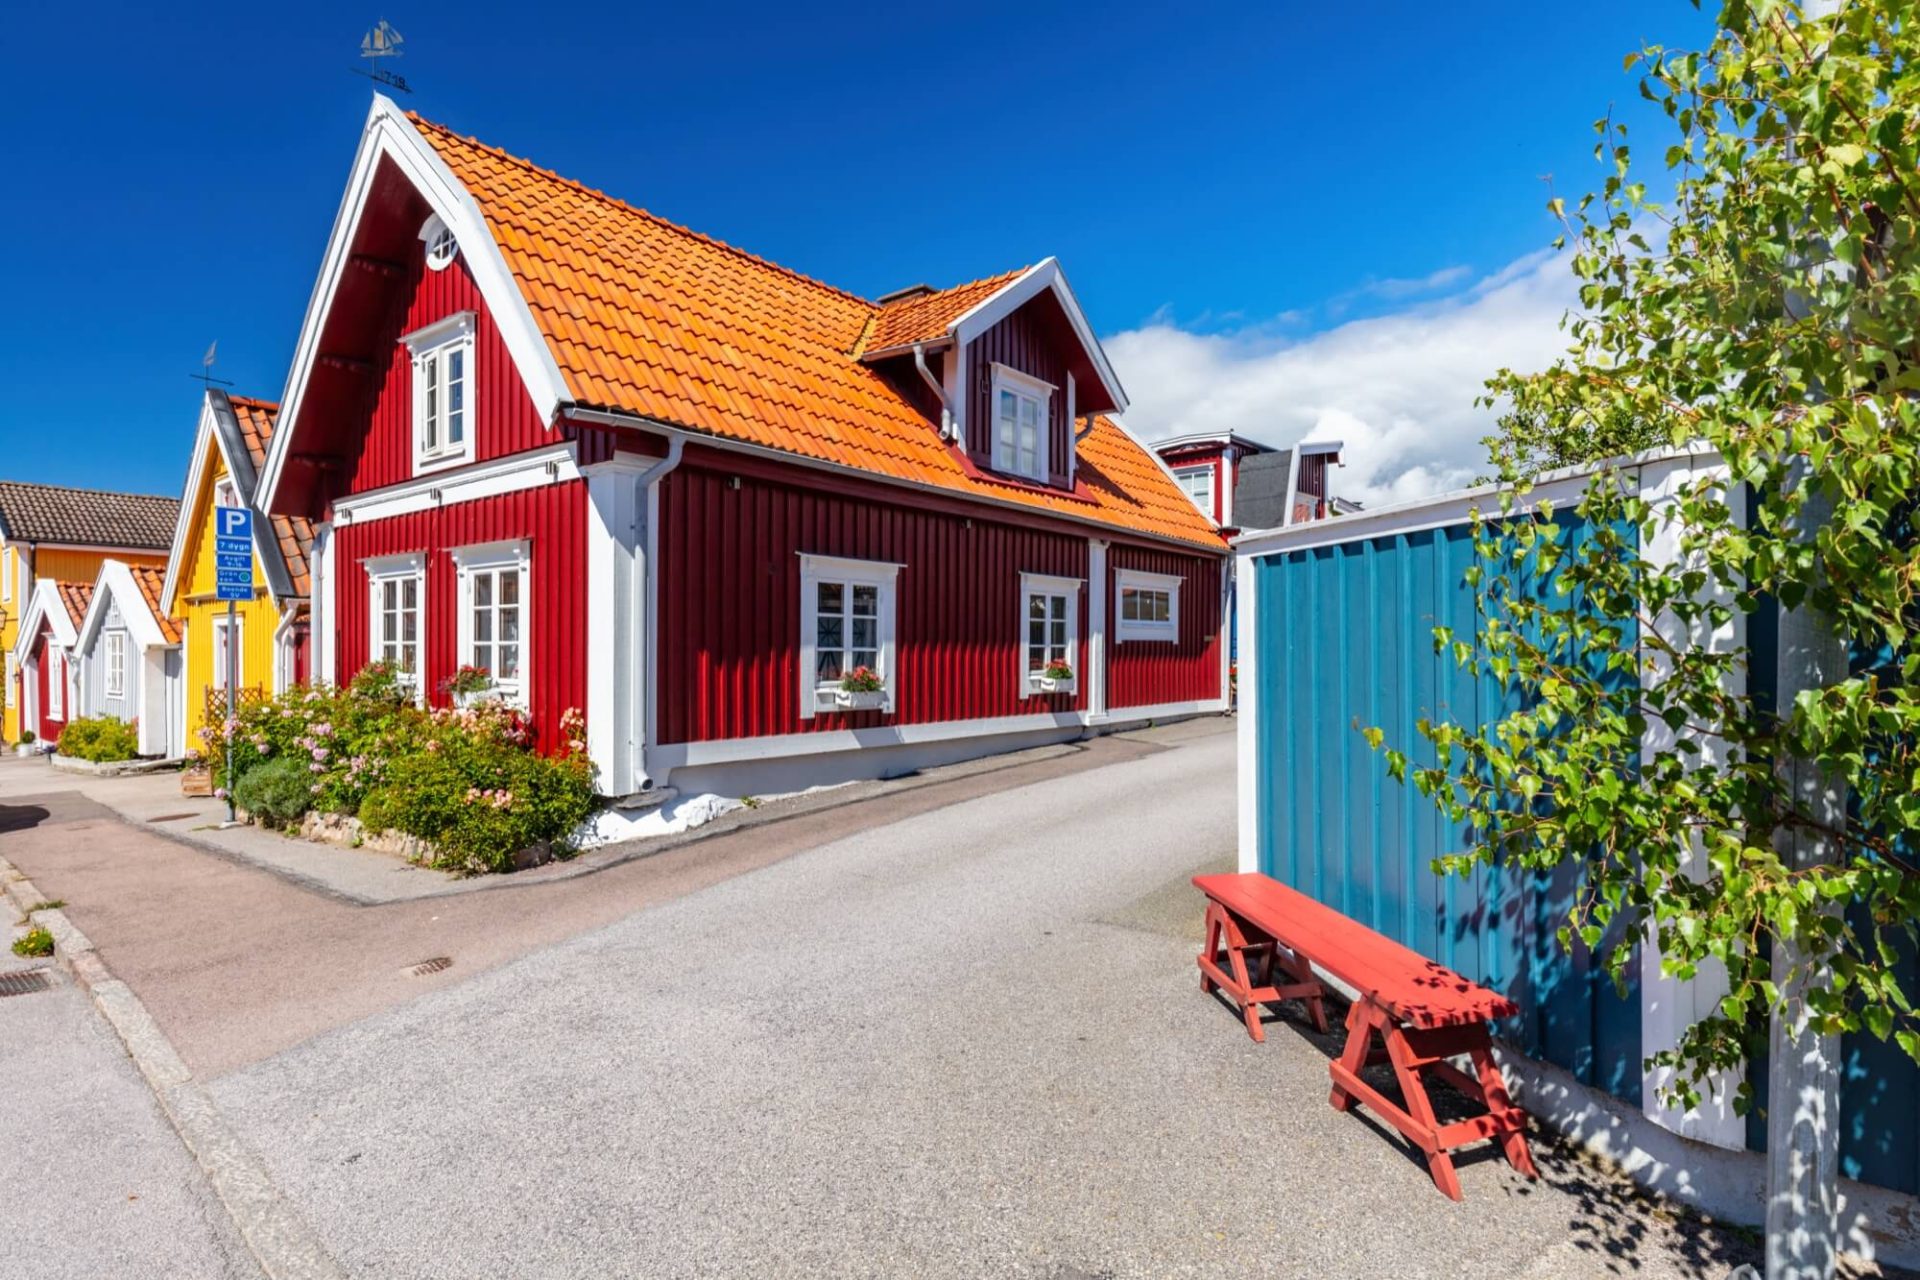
(234, 522)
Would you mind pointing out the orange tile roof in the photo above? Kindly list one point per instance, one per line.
(922, 317)
(149, 580)
(646, 317)
(293, 533)
(76, 596)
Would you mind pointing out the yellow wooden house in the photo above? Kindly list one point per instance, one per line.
(267, 634)
(64, 535)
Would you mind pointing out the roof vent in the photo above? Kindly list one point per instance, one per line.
(911, 291)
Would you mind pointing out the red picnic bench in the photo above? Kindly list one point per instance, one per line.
(1424, 1013)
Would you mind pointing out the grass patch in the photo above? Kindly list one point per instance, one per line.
(35, 942)
(52, 904)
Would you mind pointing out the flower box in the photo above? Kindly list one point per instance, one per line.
(1053, 684)
(196, 780)
(860, 699)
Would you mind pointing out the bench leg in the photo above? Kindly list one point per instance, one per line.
(1420, 1107)
(1493, 1091)
(1354, 1057)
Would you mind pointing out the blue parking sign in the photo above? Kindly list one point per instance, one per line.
(233, 553)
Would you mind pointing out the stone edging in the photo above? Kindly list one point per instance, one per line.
(279, 1240)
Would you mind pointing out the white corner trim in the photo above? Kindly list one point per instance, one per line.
(1248, 713)
(554, 464)
(389, 135)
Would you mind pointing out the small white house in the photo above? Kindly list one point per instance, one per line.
(129, 658)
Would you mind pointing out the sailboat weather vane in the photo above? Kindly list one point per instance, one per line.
(380, 43)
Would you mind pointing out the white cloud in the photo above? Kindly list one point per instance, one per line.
(1399, 389)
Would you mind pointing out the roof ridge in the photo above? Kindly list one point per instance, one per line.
(255, 401)
(74, 488)
(955, 288)
(667, 223)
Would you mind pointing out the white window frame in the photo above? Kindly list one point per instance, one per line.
(497, 558)
(7, 557)
(219, 636)
(441, 246)
(1201, 471)
(1040, 584)
(1025, 386)
(1124, 629)
(382, 570)
(432, 349)
(56, 684)
(880, 574)
(224, 487)
(113, 664)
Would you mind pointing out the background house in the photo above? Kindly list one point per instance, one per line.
(46, 658)
(62, 534)
(129, 658)
(267, 634)
(631, 470)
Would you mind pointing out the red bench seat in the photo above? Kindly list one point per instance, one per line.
(1422, 1012)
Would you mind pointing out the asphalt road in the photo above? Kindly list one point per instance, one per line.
(967, 1043)
(96, 1184)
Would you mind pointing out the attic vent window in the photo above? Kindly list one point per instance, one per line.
(442, 248)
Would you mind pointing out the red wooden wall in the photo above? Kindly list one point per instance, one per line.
(1144, 673)
(553, 520)
(50, 726)
(730, 606)
(503, 417)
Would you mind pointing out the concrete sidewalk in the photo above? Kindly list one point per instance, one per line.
(97, 1184)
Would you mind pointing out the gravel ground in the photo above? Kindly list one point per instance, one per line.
(967, 1043)
(96, 1182)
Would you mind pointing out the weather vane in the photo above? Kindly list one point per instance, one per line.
(206, 368)
(382, 42)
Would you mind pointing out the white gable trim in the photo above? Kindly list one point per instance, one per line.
(390, 135)
(43, 605)
(1047, 275)
(116, 585)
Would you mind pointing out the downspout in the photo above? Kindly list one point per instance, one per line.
(646, 680)
(946, 406)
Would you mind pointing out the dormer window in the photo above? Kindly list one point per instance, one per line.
(1020, 416)
(442, 399)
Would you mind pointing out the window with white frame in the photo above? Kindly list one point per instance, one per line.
(113, 661)
(56, 685)
(396, 616)
(1020, 414)
(493, 615)
(1050, 623)
(442, 248)
(224, 494)
(846, 622)
(1149, 606)
(228, 647)
(1198, 483)
(442, 391)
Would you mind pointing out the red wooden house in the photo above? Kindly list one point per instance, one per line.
(629, 469)
(1243, 484)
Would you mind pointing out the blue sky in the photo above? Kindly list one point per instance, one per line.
(1243, 196)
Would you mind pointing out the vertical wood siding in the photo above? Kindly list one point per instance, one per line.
(50, 725)
(504, 419)
(1145, 673)
(729, 630)
(552, 519)
(1345, 636)
(1021, 341)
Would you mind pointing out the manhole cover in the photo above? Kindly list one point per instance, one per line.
(426, 967)
(24, 982)
(173, 817)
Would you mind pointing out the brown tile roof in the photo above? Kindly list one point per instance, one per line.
(922, 317)
(649, 318)
(293, 533)
(149, 579)
(76, 596)
(44, 513)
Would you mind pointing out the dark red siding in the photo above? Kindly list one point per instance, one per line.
(730, 606)
(1145, 673)
(1027, 340)
(504, 418)
(553, 520)
(49, 727)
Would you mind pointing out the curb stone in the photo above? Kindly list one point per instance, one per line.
(280, 1241)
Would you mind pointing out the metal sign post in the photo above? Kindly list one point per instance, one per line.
(233, 580)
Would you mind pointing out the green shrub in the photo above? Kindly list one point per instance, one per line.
(34, 942)
(277, 792)
(99, 739)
